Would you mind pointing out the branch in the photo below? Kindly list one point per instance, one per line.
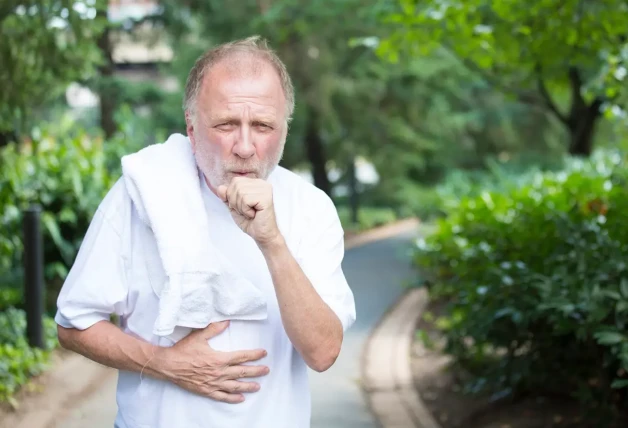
(523, 96)
(547, 98)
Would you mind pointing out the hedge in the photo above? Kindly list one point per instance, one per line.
(535, 274)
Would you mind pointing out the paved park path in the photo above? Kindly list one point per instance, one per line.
(377, 273)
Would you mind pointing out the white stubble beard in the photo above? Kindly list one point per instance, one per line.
(217, 171)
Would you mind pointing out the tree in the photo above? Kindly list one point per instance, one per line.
(310, 39)
(45, 45)
(565, 56)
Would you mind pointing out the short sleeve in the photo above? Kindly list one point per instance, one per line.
(321, 254)
(96, 284)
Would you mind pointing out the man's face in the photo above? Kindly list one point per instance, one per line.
(240, 127)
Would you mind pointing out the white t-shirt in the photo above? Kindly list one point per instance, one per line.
(112, 274)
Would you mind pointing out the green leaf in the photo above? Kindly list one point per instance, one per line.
(609, 338)
(623, 286)
(612, 294)
(619, 383)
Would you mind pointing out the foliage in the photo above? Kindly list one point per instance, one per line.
(413, 120)
(18, 361)
(578, 57)
(66, 171)
(368, 218)
(46, 44)
(536, 275)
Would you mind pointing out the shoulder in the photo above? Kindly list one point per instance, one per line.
(313, 212)
(309, 199)
(115, 207)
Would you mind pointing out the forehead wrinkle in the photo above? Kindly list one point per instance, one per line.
(255, 112)
(217, 96)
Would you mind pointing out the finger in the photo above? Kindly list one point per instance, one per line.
(226, 398)
(222, 192)
(240, 357)
(214, 329)
(233, 386)
(232, 192)
(247, 204)
(240, 372)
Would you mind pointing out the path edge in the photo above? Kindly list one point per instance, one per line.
(381, 232)
(386, 372)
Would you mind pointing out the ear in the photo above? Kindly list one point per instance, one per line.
(189, 127)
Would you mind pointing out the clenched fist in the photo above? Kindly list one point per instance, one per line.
(251, 203)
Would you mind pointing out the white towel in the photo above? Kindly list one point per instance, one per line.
(201, 286)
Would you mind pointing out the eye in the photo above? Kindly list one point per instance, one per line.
(226, 126)
(264, 126)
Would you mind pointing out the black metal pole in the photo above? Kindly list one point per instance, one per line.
(34, 276)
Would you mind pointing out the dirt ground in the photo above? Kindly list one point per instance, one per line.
(440, 389)
(45, 397)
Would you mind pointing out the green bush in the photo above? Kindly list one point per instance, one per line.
(536, 276)
(67, 172)
(18, 361)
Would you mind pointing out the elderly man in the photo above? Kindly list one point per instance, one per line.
(270, 223)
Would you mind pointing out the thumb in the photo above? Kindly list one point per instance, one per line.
(214, 329)
(222, 192)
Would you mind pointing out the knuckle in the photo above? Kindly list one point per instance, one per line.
(213, 373)
(219, 360)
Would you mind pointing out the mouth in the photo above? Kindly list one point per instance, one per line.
(242, 173)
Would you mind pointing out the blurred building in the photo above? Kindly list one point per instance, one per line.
(137, 50)
(145, 48)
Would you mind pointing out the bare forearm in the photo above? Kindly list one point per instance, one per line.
(106, 344)
(311, 325)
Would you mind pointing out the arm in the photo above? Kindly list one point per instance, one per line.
(106, 344)
(190, 363)
(97, 286)
(315, 301)
(312, 326)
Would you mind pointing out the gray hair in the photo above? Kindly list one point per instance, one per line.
(253, 45)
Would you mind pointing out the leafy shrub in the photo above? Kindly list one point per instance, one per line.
(18, 361)
(536, 275)
(67, 172)
(496, 176)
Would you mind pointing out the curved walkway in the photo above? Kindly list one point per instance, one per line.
(377, 273)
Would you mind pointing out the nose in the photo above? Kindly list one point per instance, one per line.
(244, 146)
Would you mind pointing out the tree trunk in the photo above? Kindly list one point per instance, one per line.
(7, 137)
(106, 92)
(582, 117)
(582, 129)
(316, 154)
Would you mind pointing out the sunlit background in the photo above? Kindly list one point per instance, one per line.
(500, 125)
